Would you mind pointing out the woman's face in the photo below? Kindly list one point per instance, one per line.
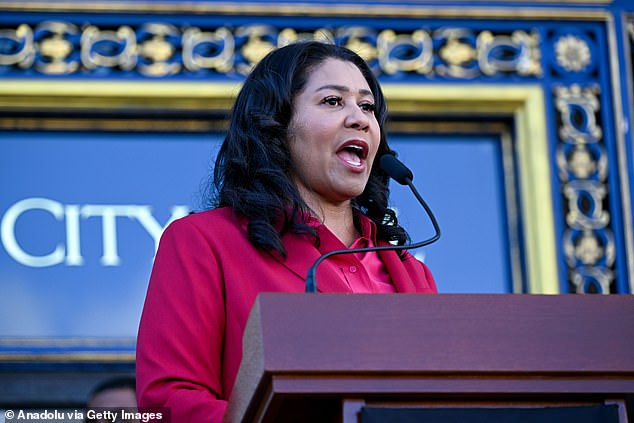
(334, 135)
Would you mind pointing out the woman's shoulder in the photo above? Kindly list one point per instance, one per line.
(218, 220)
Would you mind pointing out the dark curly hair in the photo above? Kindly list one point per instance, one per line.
(252, 173)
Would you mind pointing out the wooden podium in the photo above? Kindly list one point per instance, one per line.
(324, 357)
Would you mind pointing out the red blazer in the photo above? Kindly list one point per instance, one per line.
(205, 279)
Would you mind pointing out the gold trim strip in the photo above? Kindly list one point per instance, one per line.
(620, 126)
(311, 9)
(53, 342)
(415, 126)
(69, 357)
(116, 125)
(536, 194)
(512, 213)
(24, 94)
(526, 104)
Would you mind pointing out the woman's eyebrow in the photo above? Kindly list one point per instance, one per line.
(343, 88)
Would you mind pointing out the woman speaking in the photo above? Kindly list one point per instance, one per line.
(295, 178)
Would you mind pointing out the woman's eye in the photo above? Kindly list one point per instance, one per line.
(332, 101)
(367, 107)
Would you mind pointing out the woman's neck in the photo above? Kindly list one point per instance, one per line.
(341, 223)
(336, 216)
(339, 219)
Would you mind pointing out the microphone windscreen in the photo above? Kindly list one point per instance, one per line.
(395, 169)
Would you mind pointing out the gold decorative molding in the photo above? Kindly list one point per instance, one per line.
(60, 48)
(588, 240)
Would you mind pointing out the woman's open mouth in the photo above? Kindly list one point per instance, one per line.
(353, 153)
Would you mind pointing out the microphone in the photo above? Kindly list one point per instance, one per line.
(396, 170)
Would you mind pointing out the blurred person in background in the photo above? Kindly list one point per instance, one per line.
(112, 394)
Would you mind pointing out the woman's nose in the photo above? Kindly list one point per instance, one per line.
(357, 118)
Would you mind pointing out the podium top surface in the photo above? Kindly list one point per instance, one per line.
(442, 333)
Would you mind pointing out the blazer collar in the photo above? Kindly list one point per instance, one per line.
(398, 273)
(301, 253)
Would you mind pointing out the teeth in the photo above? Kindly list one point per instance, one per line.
(352, 154)
(355, 162)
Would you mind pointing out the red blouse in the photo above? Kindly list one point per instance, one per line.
(366, 275)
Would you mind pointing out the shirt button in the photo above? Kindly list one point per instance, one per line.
(353, 269)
